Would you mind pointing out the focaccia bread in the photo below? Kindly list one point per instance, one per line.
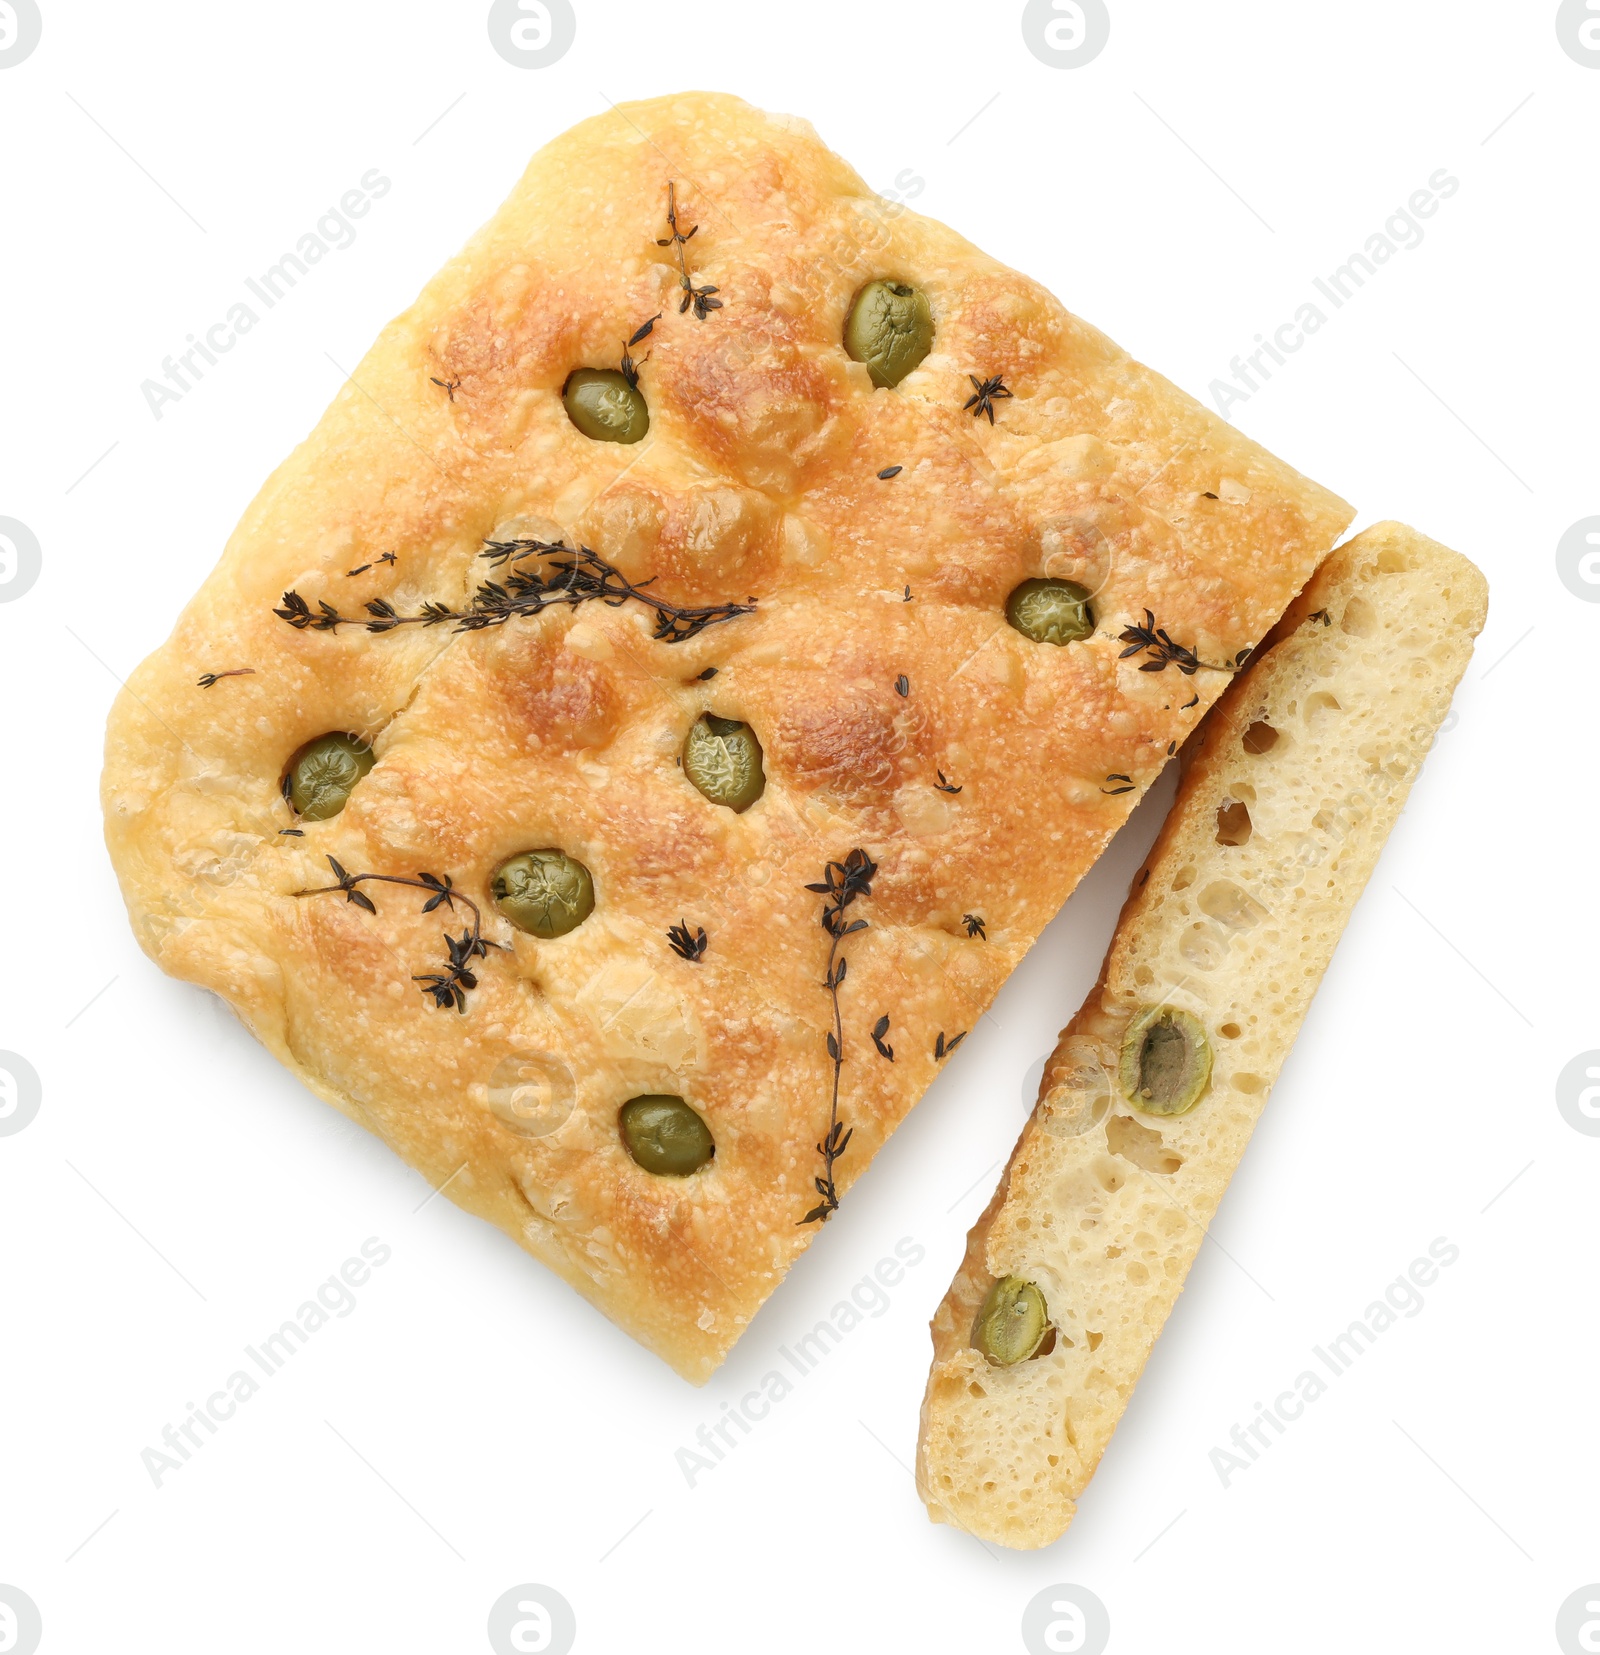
(1289, 793)
(476, 573)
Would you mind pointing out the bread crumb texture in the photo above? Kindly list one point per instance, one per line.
(876, 656)
(1292, 788)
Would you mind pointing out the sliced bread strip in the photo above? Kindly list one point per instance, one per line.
(913, 604)
(1292, 787)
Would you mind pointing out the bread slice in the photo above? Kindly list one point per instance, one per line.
(1290, 790)
(790, 547)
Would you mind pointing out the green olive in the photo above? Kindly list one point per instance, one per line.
(890, 328)
(1165, 1064)
(723, 759)
(543, 892)
(664, 1135)
(324, 772)
(1051, 611)
(1014, 1323)
(605, 405)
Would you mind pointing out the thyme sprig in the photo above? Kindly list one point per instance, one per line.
(445, 988)
(942, 1048)
(361, 569)
(630, 368)
(842, 882)
(1164, 652)
(571, 577)
(687, 944)
(975, 926)
(879, 1030)
(207, 679)
(699, 297)
(984, 393)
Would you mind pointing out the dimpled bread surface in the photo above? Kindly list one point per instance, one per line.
(877, 655)
(1288, 796)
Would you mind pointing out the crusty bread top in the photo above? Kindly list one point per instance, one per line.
(759, 480)
(1290, 791)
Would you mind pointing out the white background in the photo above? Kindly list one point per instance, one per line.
(473, 1425)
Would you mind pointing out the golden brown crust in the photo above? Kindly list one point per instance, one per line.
(758, 479)
(1233, 919)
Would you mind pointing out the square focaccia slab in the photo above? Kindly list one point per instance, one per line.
(515, 627)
